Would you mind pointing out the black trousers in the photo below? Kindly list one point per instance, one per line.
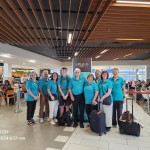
(89, 108)
(31, 105)
(79, 102)
(117, 108)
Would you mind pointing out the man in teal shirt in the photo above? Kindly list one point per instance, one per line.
(43, 96)
(64, 99)
(76, 86)
(118, 93)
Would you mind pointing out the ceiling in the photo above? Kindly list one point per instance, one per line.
(43, 26)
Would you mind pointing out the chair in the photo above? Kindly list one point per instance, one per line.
(10, 94)
(24, 90)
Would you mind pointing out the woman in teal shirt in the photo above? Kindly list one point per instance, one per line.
(105, 89)
(32, 96)
(53, 98)
(90, 93)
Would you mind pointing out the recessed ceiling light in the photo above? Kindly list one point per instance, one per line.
(76, 53)
(46, 64)
(6, 55)
(69, 58)
(69, 38)
(104, 51)
(32, 61)
(133, 2)
(116, 59)
(98, 56)
(128, 55)
(124, 39)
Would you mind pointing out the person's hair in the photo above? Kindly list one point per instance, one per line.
(103, 73)
(44, 72)
(32, 73)
(53, 74)
(64, 68)
(90, 75)
(6, 81)
(116, 69)
(97, 70)
(77, 69)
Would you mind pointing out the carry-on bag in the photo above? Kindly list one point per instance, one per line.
(127, 124)
(97, 121)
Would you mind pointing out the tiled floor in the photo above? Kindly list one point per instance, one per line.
(84, 139)
(38, 137)
(48, 137)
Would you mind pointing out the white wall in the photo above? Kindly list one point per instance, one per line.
(21, 57)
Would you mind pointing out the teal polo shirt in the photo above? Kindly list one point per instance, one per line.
(77, 85)
(103, 88)
(97, 81)
(117, 91)
(43, 85)
(33, 87)
(89, 91)
(63, 82)
(52, 86)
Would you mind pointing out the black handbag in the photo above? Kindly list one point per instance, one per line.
(107, 100)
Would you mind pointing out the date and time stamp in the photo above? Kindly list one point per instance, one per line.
(4, 136)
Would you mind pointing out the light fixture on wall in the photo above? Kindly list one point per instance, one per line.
(69, 38)
(133, 2)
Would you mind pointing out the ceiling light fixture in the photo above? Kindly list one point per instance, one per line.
(69, 38)
(76, 53)
(32, 61)
(6, 55)
(69, 58)
(128, 55)
(116, 59)
(98, 56)
(133, 2)
(124, 39)
(104, 51)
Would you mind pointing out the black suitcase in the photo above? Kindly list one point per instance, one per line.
(129, 127)
(97, 121)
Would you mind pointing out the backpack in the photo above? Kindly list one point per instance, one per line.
(65, 119)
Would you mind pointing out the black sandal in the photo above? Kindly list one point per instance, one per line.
(30, 122)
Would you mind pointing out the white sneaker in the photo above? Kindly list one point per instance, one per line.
(41, 120)
(55, 120)
(52, 122)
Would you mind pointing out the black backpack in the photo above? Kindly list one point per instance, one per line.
(65, 119)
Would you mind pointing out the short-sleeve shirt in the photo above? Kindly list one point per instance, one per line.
(77, 86)
(63, 82)
(43, 85)
(117, 91)
(33, 87)
(52, 86)
(89, 91)
(103, 88)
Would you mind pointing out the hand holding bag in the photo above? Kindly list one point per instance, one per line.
(107, 100)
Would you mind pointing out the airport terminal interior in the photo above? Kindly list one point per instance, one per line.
(78, 37)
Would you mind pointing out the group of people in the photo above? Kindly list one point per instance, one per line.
(60, 92)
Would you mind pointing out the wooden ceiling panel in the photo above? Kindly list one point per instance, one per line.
(93, 24)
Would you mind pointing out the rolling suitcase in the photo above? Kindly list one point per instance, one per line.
(97, 121)
(129, 127)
